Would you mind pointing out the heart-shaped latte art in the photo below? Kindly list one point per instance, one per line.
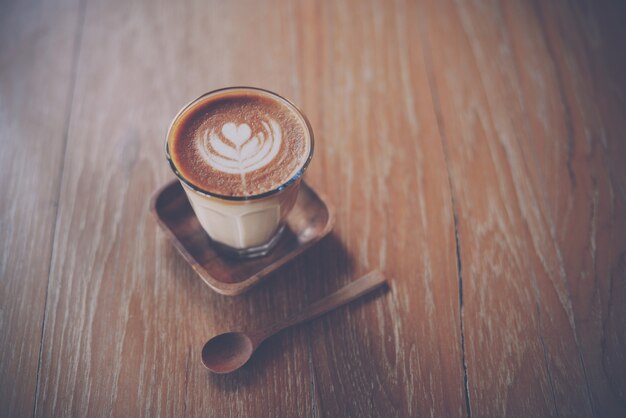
(238, 135)
(236, 150)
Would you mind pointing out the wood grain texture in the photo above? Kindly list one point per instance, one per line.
(381, 161)
(135, 303)
(524, 133)
(593, 234)
(36, 71)
(474, 151)
(127, 317)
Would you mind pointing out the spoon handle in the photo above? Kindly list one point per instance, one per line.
(342, 296)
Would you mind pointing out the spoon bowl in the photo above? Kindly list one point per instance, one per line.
(227, 352)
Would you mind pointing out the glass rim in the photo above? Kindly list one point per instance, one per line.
(268, 193)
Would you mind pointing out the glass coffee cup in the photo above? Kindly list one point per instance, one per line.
(246, 218)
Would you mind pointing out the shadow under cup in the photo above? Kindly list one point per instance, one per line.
(243, 226)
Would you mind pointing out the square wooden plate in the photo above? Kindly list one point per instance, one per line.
(309, 221)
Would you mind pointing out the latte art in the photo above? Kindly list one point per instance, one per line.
(239, 142)
(235, 150)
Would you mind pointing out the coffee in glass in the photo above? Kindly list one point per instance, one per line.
(240, 154)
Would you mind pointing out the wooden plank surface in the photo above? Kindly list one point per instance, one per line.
(593, 235)
(99, 273)
(381, 160)
(473, 150)
(37, 57)
(136, 304)
(534, 290)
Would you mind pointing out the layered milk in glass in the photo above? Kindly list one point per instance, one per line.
(240, 154)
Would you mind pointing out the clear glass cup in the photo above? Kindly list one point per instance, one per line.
(243, 226)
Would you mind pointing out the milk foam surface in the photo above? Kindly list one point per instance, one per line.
(239, 143)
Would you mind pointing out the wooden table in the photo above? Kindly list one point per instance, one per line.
(475, 152)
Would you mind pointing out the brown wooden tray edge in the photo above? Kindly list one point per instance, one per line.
(234, 289)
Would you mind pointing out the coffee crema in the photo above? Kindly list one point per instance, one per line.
(239, 143)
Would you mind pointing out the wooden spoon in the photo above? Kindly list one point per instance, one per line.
(227, 352)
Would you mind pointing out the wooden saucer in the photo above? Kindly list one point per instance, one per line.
(309, 221)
